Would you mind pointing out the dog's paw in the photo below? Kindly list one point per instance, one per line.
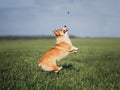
(74, 50)
(58, 70)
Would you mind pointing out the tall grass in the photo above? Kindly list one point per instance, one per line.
(96, 66)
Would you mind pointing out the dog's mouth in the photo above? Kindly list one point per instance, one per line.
(65, 31)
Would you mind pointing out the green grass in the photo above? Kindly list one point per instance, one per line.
(96, 66)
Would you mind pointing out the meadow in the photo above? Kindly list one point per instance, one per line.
(96, 66)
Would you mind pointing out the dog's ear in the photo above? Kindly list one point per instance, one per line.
(56, 33)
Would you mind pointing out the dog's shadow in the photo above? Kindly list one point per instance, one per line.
(67, 66)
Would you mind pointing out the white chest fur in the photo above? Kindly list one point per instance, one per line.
(64, 39)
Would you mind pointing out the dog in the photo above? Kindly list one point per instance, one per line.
(62, 48)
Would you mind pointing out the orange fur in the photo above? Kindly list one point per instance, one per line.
(62, 48)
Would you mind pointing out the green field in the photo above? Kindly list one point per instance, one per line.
(96, 66)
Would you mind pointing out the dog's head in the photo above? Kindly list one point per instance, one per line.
(61, 32)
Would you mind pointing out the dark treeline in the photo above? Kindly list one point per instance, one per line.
(28, 37)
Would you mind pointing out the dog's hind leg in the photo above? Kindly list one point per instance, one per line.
(57, 69)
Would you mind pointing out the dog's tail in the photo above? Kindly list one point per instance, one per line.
(39, 64)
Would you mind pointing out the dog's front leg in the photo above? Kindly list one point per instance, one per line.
(74, 49)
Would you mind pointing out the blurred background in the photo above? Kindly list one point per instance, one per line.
(84, 18)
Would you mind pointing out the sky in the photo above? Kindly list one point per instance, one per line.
(86, 18)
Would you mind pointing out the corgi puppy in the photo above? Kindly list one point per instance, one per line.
(62, 48)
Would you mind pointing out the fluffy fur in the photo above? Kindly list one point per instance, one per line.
(62, 48)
